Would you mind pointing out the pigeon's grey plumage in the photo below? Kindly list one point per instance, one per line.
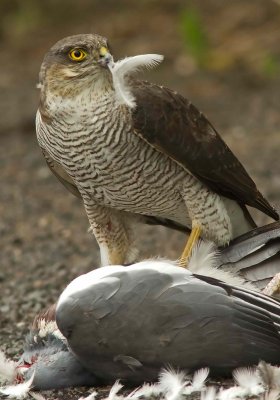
(129, 322)
(254, 255)
(136, 152)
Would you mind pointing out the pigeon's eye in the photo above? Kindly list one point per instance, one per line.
(77, 54)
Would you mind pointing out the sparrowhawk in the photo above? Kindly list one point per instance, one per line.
(137, 152)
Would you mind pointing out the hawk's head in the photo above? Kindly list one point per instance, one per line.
(77, 62)
(83, 64)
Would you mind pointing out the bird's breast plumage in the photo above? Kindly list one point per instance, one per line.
(93, 139)
(96, 145)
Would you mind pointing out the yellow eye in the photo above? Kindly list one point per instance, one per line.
(77, 54)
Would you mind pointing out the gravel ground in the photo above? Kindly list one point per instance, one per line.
(43, 228)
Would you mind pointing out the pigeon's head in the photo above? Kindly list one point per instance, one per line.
(47, 356)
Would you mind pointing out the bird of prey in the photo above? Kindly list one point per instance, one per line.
(137, 152)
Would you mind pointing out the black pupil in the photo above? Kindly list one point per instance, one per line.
(77, 53)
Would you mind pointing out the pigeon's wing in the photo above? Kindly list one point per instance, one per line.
(136, 320)
(255, 255)
(173, 126)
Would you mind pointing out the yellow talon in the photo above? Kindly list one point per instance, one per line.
(193, 238)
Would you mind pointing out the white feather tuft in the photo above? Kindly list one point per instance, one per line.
(204, 253)
(18, 391)
(269, 374)
(147, 390)
(37, 396)
(208, 394)
(122, 68)
(273, 394)
(131, 64)
(114, 390)
(233, 393)
(249, 379)
(172, 383)
(90, 397)
(261, 383)
(204, 261)
(7, 369)
(199, 378)
(198, 381)
(49, 327)
(249, 383)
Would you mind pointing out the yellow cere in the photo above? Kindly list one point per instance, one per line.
(103, 51)
(77, 54)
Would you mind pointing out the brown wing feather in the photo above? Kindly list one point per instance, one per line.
(171, 124)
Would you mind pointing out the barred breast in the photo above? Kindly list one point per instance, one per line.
(95, 144)
(109, 163)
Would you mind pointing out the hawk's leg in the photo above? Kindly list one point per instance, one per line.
(192, 240)
(113, 232)
(209, 216)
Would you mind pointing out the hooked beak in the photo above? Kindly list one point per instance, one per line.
(106, 57)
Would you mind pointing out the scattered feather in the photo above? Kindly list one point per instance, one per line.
(208, 394)
(198, 381)
(147, 390)
(269, 375)
(18, 391)
(114, 390)
(122, 68)
(272, 394)
(172, 383)
(199, 378)
(7, 369)
(204, 261)
(249, 379)
(37, 396)
(249, 384)
(49, 327)
(233, 393)
(90, 397)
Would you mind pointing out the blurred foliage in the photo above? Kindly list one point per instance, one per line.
(193, 35)
(270, 65)
(241, 51)
(21, 17)
(216, 35)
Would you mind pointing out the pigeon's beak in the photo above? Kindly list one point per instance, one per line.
(106, 58)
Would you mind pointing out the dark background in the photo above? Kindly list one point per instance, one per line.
(223, 55)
